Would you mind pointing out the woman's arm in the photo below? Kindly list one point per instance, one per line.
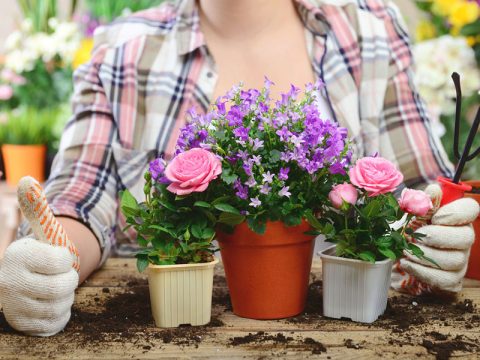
(86, 243)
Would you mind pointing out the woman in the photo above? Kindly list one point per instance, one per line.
(149, 69)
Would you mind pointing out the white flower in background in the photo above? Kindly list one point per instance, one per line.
(24, 48)
(436, 60)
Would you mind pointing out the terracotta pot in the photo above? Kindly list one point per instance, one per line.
(267, 274)
(181, 294)
(24, 160)
(473, 270)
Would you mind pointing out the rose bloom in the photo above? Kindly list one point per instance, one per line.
(415, 202)
(192, 171)
(376, 175)
(343, 192)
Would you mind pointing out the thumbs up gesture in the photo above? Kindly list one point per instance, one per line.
(39, 275)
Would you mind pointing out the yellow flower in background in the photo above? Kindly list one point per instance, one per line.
(425, 30)
(463, 13)
(83, 53)
(444, 7)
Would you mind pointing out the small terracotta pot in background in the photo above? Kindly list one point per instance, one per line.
(24, 160)
(473, 271)
(267, 275)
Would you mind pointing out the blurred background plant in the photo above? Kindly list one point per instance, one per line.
(448, 40)
(38, 61)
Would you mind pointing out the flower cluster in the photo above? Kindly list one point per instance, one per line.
(436, 60)
(25, 47)
(364, 209)
(272, 152)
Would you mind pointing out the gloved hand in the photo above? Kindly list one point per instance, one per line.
(38, 276)
(449, 237)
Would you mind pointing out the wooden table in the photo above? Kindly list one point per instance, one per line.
(101, 328)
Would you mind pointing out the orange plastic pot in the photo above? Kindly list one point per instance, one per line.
(24, 160)
(268, 274)
(473, 270)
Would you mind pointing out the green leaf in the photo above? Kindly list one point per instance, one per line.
(231, 219)
(388, 253)
(471, 29)
(208, 233)
(167, 205)
(293, 219)
(256, 226)
(142, 263)
(228, 177)
(162, 229)
(384, 241)
(312, 220)
(367, 256)
(197, 231)
(158, 243)
(202, 204)
(372, 209)
(226, 208)
(275, 156)
(142, 241)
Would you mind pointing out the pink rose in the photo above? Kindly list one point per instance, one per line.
(192, 171)
(415, 202)
(343, 192)
(376, 175)
(6, 92)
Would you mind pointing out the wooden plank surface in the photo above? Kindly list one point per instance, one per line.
(111, 319)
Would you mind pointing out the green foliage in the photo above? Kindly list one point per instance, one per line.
(364, 231)
(175, 229)
(30, 126)
(47, 85)
(108, 10)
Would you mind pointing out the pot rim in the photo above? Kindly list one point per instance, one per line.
(183, 267)
(324, 254)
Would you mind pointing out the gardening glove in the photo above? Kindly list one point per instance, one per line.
(449, 235)
(38, 276)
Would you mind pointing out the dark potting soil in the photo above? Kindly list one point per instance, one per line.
(126, 318)
(475, 190)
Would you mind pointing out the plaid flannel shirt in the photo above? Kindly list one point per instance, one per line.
(148, 69)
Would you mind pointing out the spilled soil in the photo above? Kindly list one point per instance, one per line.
(125, 318)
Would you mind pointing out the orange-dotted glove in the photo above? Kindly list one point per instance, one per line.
(38, 276)
(448, 238)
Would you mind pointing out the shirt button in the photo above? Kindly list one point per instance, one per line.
(209, 74)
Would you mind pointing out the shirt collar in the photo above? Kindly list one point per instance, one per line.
(189, 36)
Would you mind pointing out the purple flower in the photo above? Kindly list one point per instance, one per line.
(242, 154)
(283, 133)
(251, 182)
(267, 177)
(265, 189)
(286, 156)
(242, 191)
(241, 132)
(221, 107)
(157, 168)
(296, 141)
(284, 192)
(284, 173)
(257, 159)
(256, 143)
(337, 168)
(247, 167)
(255, 202)
(267, 82)
(235, 116)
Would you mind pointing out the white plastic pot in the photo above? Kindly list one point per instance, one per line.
(181, 294)
(354, 289)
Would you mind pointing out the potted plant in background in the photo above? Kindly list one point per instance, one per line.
(279, 161)
(360, 222)
(176, 233)
(24, 135)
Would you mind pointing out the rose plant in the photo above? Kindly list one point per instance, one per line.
(361, 214)
(249, 159)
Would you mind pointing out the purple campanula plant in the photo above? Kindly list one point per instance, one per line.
(279, 158)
